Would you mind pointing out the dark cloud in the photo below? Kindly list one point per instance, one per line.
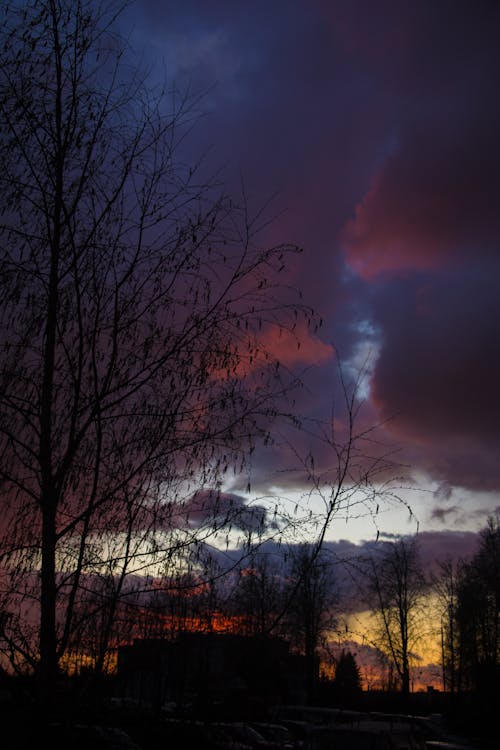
(437, 375)
(434, 202)
(214, 508)
(438, 546)
(433, 548)
(376, 126)
(346, 559)
(425, 236)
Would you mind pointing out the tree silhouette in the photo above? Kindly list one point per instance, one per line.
(477, 614)
(446, 586)
(347, 680)
(396, 590)
(133, 300)
(311, 598)
(258, 596)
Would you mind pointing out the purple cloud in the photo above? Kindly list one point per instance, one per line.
(375, 126)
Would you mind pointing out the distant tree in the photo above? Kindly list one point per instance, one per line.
(310, 601)
(477, 614)
(446, 585)
(487, 564)
(347, 680)
(257, 596)
(133, 297)
(396, 588)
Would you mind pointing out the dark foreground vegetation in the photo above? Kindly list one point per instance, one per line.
(374, 720)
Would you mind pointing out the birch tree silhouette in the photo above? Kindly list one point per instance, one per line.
(133, 297)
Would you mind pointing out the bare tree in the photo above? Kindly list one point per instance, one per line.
(356, 475)
(396, 587)
(258, 595)
(446, 586)
(132, 302)
(311, 607)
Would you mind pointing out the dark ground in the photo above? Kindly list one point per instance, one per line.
(467, 720)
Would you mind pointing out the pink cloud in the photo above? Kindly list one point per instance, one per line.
(394, 231)
(431, 203)
(296, 347)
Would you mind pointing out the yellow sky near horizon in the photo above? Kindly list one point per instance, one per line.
(360, 628)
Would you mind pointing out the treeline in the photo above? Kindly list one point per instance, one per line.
(470, 626)
(298, 594)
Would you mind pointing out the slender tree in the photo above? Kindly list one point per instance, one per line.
(132, 302)
(396, 589)
(446, 586)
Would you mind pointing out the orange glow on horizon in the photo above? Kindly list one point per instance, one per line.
(425, 673)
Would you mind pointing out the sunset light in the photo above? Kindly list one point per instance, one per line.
(249, 374)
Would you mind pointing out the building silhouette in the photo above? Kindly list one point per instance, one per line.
(204, 671)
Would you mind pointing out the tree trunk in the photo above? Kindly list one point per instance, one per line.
(48, 667)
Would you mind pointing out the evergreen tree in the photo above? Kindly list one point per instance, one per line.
(347, 682)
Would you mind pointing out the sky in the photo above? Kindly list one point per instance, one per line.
(374, 129)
